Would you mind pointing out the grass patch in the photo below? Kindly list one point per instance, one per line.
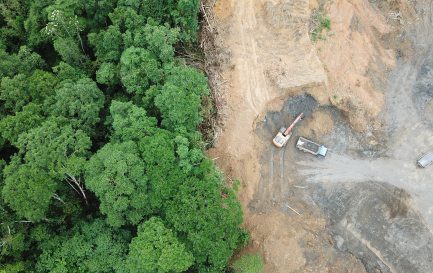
(248, 264)
(319, 21)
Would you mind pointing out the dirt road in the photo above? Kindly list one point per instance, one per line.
(366, 207)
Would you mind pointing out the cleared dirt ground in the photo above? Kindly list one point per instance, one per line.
(366, 91)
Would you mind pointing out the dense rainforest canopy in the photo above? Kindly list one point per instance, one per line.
(102, 166)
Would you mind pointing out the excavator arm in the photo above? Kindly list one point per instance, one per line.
(289, 129)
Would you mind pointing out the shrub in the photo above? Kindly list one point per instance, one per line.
(248, 264)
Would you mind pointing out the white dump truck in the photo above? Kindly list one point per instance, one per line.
(426, 159)
(311, 147)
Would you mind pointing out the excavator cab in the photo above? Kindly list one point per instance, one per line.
(280, 140)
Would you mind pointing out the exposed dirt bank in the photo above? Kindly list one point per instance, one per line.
(358, 53)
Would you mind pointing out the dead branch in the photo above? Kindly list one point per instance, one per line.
(206, 17)
(78, 183)
(55, 196)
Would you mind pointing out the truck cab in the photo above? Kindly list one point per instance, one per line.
(426, 159)
(322, 151)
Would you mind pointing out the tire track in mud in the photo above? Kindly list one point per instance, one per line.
(271, 176)
(369, 246)
(282, 169)
(273, 186)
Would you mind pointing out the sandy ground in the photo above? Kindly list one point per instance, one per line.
(289, 208)
(263, 50)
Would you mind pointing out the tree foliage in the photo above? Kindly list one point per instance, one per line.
(28, 190)
(156, 249)
(158, 39)
(180, 98)
(51, 146)
(102, 167)
(24, 62)
(11, 127)
(80, 101)
(90, 247)
(215, 233)
(108, 44)
(14, 93)
(139, 69)
(249, 264)
(47, 153)
(130, 122)
(116, 175)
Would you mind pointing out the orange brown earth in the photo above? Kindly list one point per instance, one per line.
(272, 58)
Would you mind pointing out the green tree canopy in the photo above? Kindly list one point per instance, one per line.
(52, 145)
(127, 18)
(108, 44)
(92, 247)
(99, 134)
(14, 92)
(130, 122)
(11, 127)
(65, 71)
(208, 215)
(116, 175)
(156, 249)
(46, 154)
(158, 39)
(108, 73)
(41, 85)
(35, 22)
(12, 235)
(147, 8)
(161, 167)
(25, 62)
(139, 69)
(13, 13)
(180, 98)
(80, 101)
(185, 17)
(27, 190)
(70, 51)
(156, 148)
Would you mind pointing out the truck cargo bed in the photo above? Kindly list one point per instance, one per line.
(311, 147)
(308, 145)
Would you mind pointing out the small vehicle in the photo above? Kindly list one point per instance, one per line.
(311, 147)
(426, 159)
(283, 136)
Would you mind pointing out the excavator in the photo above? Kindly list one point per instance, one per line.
(283, 136)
